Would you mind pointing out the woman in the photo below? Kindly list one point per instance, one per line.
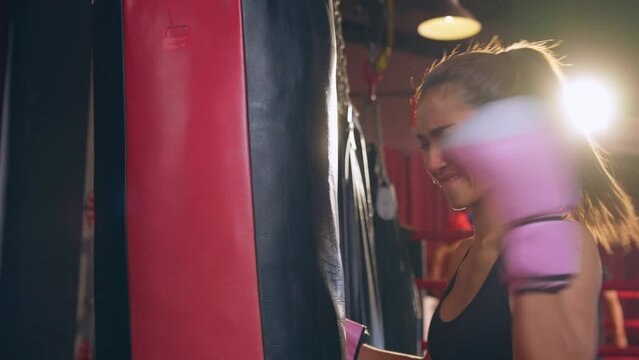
(478, 318)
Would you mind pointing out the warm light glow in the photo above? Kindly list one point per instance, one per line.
(589, 103)
(449, 28)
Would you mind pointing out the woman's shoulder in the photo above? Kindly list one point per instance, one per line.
(589, 252)
(591, 269)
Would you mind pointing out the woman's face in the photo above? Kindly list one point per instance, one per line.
(439, 110)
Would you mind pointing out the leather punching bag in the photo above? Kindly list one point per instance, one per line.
(45, 71)
(290, 66)
(216, 173)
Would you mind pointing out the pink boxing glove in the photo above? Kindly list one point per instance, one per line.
(511, 150)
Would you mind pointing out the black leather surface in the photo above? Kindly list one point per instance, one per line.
(45, 178)
(111, 278)
(289, 56)
(5, 53)
(400, 300)
(357, 235)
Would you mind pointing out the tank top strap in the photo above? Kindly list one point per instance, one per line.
(449, 287)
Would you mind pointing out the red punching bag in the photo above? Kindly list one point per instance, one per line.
(190, 236)
(215, 201)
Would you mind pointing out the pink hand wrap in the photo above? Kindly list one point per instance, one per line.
(355, 336)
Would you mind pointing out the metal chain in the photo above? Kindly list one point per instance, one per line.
(343, 87)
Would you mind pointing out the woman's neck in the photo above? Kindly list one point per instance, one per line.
(488, 229)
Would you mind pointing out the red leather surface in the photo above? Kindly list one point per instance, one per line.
(190, 233)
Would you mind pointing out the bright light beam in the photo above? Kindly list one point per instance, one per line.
(589, 103)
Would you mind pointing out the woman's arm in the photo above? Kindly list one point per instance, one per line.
(615, 313)
(561, 325)
(368, 352)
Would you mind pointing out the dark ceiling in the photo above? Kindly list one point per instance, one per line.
(597, 36)
(578, 22)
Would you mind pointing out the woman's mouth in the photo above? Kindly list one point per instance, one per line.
(448, 177)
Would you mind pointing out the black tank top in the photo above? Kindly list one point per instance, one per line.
(481, 331)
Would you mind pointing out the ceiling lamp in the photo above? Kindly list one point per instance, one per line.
(450, 21)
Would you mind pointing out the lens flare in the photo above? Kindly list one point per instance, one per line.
(589, 103)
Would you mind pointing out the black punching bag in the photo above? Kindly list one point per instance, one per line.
(290, 66)
(42, 165)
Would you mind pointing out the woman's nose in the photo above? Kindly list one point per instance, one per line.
(436, 159)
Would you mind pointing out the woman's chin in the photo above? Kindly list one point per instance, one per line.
(458, 194)
(460, 200)
(457, 206)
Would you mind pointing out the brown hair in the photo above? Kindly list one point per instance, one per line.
(488, 72)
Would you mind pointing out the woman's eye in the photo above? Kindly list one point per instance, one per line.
(424, 145)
